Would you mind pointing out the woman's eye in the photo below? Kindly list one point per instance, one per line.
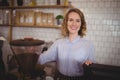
(77, 20)
(70, 20)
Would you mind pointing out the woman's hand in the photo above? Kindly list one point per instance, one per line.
(88, 62)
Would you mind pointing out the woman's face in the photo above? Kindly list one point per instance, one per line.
(73, 23)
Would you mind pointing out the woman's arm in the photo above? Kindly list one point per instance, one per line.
(90, 59)
(49, 55)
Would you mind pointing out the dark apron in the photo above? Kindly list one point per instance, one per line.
(60, 76)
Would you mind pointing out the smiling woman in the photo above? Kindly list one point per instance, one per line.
(73, 23)
(72, 51)
(79, 19)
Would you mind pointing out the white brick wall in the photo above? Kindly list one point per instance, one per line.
(103, 23)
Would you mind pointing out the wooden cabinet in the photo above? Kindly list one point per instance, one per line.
(12, 19)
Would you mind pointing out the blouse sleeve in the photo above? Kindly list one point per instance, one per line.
(49, 55)
(91, 53)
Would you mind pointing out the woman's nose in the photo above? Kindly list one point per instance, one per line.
(74, 23)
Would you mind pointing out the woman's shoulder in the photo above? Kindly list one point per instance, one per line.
(59, 40)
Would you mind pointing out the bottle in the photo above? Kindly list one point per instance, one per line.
(4, 3)
(32, 3)
(1, 17)
(19, 2)
(58, 2)
(66, 3)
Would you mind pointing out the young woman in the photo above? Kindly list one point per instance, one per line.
(72, 51)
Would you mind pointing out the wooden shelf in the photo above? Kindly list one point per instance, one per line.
(5, 7)
(34, 26)
(32, 7)
(5, 25)
(41, 6)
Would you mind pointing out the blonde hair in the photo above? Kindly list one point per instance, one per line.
(82, 31)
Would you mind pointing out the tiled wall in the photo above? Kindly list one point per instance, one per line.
(103, 24)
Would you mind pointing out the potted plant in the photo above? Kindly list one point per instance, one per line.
(59, 19)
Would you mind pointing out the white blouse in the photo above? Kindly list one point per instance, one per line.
(69, 56)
